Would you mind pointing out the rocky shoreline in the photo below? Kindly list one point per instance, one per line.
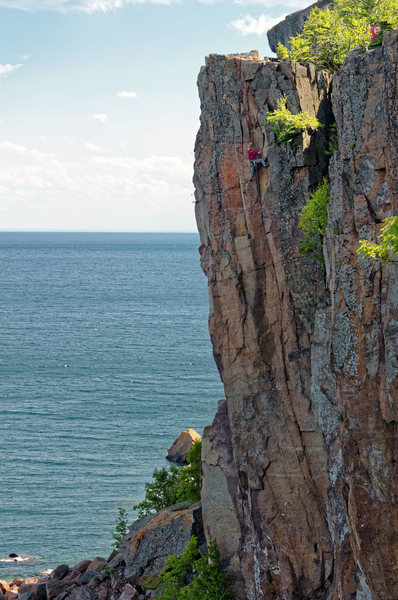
(121, 576)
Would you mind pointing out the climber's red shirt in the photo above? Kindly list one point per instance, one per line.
(253, 154)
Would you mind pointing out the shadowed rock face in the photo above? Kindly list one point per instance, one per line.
(299, 465)
(291, 25)
(363, 329)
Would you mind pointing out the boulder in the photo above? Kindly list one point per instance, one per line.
(31, 595)
(26, 587)
(41, 591)
(16, 582)
(128, 593)
(97, 564)
(60, 572)
(54, 587)
(292, 25)
(87, 577)
(178, 450)
(112, 555)
(81, 566)
(11, 594)
(82, 593)
(152, 539)
(4, 586)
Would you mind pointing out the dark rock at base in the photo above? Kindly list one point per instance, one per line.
(97, 564)
(112, 555)
(152, 539)
(60, 572)
(41, 591)
(87, 577)
(82, 593)
(129, 592)
(117, 561)
(13, 555)
(81, 566)
(53, 588)
(31, 595)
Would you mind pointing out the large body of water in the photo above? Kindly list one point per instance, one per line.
(104, 359)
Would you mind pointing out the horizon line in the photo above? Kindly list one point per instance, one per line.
(88, 231)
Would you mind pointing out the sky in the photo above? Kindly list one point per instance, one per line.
(99, 107)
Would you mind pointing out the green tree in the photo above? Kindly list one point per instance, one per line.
(330, 33)
(121, 528)
(190, 576)
(387, 248)
(190, 476)
(175, 484)
(160, 492)
(314, 219)
(286, 125)
(282, 52)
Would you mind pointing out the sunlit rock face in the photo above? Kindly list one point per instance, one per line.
(299, 467)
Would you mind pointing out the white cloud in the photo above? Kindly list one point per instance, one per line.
(127, 95)
(94, 147)
(86, 6)
(94, 192)
(100, 117)
(291, 4)
(7, 69)
(256, 26)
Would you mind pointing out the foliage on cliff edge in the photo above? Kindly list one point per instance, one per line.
(286, 125)
(190, 576)
(331, 33)
(387, 248)
(175, 484)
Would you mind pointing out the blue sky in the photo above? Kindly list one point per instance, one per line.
(99, 106)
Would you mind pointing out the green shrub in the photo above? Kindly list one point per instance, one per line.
(160, 492)
(121, 528)
(313, 220)
(333, 140)
(330, 33)
(175, 484)
(282, 52)
(190, 476)
(387, 248)
(190, 576)
(286, 125)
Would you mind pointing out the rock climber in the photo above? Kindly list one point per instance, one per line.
(375, 32)
(255, 159)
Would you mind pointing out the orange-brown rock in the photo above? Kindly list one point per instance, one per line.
(4, 586)
(183, 444)
(265, 481)
(300, 477)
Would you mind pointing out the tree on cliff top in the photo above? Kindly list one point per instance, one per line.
(330, 33)
(175, 484)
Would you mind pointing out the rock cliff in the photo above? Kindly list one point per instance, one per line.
(291, 25)
(300, 472)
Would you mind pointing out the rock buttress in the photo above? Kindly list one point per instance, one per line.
(363, 321)
(300, 464)
(265, 479)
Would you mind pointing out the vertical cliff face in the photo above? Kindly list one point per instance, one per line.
(299, 463)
